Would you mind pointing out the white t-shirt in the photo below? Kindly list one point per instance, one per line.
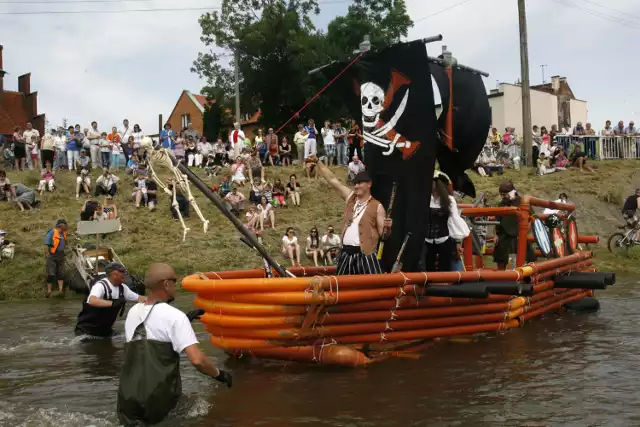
(60, 143)
(286, 242)
(98, 291)
(330, 242)
(125, 133)
(31, 137)
(164, 324)
(352, 233)
(265, 212)
(327, 136)
(137, 138)
(240, 140)
(94, 136)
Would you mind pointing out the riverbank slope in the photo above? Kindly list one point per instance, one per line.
(154, 237)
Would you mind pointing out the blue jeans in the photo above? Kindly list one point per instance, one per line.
(106, 159)
(341, 154)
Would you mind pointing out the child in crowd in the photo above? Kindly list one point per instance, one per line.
(278, 194)
(47, 180)
(253, 218)
(140, 192)
(110, 209)
(105, 150)
(116, 150)
(267, 191)
(132, 165)
(211, 168)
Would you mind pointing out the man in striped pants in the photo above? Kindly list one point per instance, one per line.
(364, 220)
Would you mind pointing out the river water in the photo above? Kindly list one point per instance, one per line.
(576, 370)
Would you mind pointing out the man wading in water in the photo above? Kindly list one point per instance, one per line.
(364, 220)
(156, 334)
(106, 299)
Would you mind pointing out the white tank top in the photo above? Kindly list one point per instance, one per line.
(352, 234)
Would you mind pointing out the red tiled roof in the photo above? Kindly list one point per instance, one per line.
(203, 99)
(12, 112)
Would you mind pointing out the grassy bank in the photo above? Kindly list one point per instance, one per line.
(155, 237)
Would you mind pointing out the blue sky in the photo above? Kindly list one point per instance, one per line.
(106, 67)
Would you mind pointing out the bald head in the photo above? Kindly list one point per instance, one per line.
(158, 275)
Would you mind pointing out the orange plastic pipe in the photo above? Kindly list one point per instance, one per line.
(468, 253)
(420, 313)
(579, 266)
(427, 333)
(554, 306)
(239, 309)
(506, 211)
(581, 239)
(225, 321)
(328, 355)
(334, 331)
(550, 299)
(534, 201)
(194, 283)
(240, 343)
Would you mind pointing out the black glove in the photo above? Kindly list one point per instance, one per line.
(225, 378)
(195, 314)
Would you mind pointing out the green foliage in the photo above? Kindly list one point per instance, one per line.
(277, 45)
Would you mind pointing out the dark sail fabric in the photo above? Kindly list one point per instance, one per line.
(150, 383)
(394, 104)
(471, 122)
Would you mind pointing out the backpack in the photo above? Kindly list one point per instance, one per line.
(631, 204)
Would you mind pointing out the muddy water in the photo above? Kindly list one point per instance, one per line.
(580, 370)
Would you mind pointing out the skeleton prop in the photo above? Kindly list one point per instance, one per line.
(162, 157)
(374, 101)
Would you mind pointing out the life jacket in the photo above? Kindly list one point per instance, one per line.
(150, 383)
(98, 321)
(57, 235)
(631, 204)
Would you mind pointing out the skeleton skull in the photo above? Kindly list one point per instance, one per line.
(372, 101)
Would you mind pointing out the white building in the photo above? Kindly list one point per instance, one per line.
(551, 103)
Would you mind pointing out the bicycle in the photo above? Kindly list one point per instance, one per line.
(624, 240)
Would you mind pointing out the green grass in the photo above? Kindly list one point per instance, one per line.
(154, 237)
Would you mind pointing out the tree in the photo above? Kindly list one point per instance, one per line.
(277, 45)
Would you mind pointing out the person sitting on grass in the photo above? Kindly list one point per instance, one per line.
(237, 172)
(183, 203)
(140, 192)
(234, 201)
(544, 167)
(47, 180)
(256, 170)
(210, 167)
(88, 209)
(266, 212)
(354, 168)
(561, 161)
(310, 167)
(290, 247)
(132, 165)
(256, 192)
(285, 151)
(98, 214)
(220, 153)
(253, 218)
(579, 159)
(109, 208)
(7, 247)
(5, 187)
(330, 244)
(313, 249)
(267, 191)
(83, 174)
(24, 197)
(293, 190)
(225, 186)
(107, 183)
(278, 194)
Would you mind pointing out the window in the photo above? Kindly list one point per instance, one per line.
(186, 119)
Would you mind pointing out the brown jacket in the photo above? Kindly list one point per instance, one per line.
(368, 226)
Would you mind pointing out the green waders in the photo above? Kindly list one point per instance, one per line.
(150, 383)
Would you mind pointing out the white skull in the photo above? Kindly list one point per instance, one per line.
(372, 101)
(146, 142)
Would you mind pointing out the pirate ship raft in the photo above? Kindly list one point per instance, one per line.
(314, 315)
(355, 320)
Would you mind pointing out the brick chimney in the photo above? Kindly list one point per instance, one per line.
(555, 83)
(24, 84)
(2, 73)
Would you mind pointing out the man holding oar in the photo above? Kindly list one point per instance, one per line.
(364, 222)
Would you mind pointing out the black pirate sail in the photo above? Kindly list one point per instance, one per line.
(471, 122)
(394, 103)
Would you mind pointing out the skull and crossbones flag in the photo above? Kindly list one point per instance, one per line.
(392, 95)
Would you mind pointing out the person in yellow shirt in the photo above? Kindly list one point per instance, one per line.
(495, 137)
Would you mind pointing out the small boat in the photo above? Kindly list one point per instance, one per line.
(320, 317)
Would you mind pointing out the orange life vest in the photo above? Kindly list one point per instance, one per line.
(56, 240)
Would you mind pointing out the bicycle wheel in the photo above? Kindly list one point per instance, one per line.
(618, 242)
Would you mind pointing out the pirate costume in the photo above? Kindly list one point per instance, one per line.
(507, 230)
(360, 235)
(439, 246)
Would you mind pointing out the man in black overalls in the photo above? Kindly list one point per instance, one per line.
(156, 334)
(106, 299)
